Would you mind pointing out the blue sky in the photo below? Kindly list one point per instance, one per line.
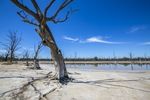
(101, 28)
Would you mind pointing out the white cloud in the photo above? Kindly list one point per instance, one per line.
(99, 40)
(136, 28)
(70, 39)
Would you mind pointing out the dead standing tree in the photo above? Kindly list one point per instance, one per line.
(131, 59)
(7, 53)
(26, 57)
(12, 45)
(44, 30)
(36, 63)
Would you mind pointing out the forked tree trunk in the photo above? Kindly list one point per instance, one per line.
(44, 31)
(11, 57)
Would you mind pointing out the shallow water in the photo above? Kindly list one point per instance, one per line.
(111, 66)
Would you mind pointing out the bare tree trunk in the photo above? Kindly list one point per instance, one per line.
(36, 62)
(57, 57)
(11, 56)
(26, 57)
(6, 57)
(59, 63)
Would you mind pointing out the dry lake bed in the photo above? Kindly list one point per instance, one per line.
(19, 82)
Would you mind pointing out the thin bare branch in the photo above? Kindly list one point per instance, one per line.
(25, 19)
(40, 45)
(46, 9)
(63, 5)
(37, 9)
(67, 15)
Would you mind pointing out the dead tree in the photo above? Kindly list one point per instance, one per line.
(26, 57)
(6, 55)
(36, 63)
(12, 45)
(44, 30)
(131, 55)
(131, 59)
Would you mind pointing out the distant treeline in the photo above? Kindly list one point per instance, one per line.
(2, 58)
(23, 59)
(108, 59)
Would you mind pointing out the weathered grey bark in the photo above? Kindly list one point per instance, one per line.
(36, 62)
(44, 31)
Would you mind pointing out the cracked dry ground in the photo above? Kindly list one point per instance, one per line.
(19, 82)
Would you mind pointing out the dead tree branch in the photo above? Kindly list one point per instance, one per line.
(32, 13)
(67, 16)
(25, 19)
(37, 9)
(63, 5)
(46, 9)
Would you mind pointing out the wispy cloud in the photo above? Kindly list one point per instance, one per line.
(18, 52)
(107, 37)
(70, 38)
(25, 48)
(3, 51)
(99, 40)
(145, 43)
(136, 28)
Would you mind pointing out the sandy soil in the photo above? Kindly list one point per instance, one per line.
(22, 83)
